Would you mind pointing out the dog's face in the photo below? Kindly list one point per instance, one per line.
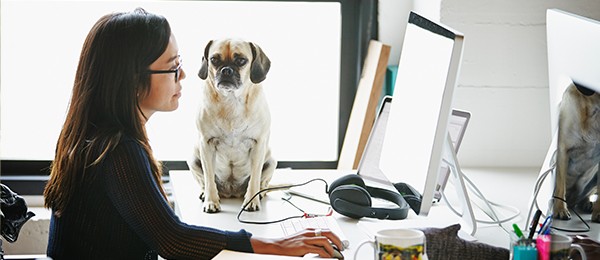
(232, 64)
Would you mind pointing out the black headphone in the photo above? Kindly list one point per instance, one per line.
(350, 197)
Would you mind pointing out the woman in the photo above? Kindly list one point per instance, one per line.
(104, 189)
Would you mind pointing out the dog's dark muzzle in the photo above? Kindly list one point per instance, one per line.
(228, 78)
(226, 71)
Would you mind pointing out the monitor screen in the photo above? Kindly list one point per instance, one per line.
(419, 117)
(574, 85)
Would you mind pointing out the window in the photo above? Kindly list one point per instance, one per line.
(313, 46)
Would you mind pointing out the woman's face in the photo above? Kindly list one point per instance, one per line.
(165, 89)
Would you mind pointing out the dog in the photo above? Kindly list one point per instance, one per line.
(232, 157)
(578, 156)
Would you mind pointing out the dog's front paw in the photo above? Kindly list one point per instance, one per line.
(211, 206)
(254, 205)
(561, 211)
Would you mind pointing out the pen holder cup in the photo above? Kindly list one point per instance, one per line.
(521, 248)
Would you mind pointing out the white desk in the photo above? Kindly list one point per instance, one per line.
(189, 207)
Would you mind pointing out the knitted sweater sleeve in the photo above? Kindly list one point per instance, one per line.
(137, 198)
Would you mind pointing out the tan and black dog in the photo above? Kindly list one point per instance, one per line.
(578, 157)
(232, 157)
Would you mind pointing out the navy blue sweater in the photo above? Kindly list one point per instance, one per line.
(118, 212)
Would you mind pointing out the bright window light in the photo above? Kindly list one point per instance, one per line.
(41, 42)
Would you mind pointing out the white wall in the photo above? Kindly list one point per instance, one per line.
(504, 74)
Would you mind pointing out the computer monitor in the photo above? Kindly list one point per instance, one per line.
(418, 123)
(573, 59)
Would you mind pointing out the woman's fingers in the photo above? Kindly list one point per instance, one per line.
(325, 233)
(320, 245)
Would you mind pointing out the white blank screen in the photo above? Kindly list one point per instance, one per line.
(416, 110)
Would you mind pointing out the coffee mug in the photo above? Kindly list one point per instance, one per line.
(397, 244)
(562, 245)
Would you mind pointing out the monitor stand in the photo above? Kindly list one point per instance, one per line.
(457, 176)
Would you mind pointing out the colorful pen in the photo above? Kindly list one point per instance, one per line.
(547, 226)
(517, 230)
(543, 226)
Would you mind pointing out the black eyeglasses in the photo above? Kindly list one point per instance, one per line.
(176, 70)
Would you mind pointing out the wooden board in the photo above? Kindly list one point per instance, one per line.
(364, 108)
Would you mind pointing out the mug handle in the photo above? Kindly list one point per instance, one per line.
(372, 243)
(578, 248)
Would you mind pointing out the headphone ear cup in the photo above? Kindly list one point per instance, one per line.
(354, 194)
(350, 200)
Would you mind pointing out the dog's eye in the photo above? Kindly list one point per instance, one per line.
(215, 60)
(240, 61)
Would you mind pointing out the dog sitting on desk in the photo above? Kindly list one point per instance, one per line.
(232, 157)
(578, 157)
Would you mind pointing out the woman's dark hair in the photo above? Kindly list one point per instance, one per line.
(110, 78)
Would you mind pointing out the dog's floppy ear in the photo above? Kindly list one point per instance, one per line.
(260, 64)
(203, 73)
(583, 90)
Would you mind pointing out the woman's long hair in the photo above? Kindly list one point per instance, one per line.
(104, 104)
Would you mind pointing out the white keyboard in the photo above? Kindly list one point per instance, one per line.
(292, 226)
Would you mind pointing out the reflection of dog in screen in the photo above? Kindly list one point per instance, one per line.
(578, 152)
(232, 157)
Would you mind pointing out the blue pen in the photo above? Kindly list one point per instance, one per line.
(546, 232)
(543, 227)
(548, 226)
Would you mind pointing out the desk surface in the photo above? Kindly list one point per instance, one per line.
(189, 207)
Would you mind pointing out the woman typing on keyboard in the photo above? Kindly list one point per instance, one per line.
(105, 187)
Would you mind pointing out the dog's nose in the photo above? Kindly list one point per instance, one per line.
(226, 71)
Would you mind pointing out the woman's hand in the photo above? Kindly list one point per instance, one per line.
(314, 241)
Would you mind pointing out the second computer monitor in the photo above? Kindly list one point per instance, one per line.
(418, 122)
